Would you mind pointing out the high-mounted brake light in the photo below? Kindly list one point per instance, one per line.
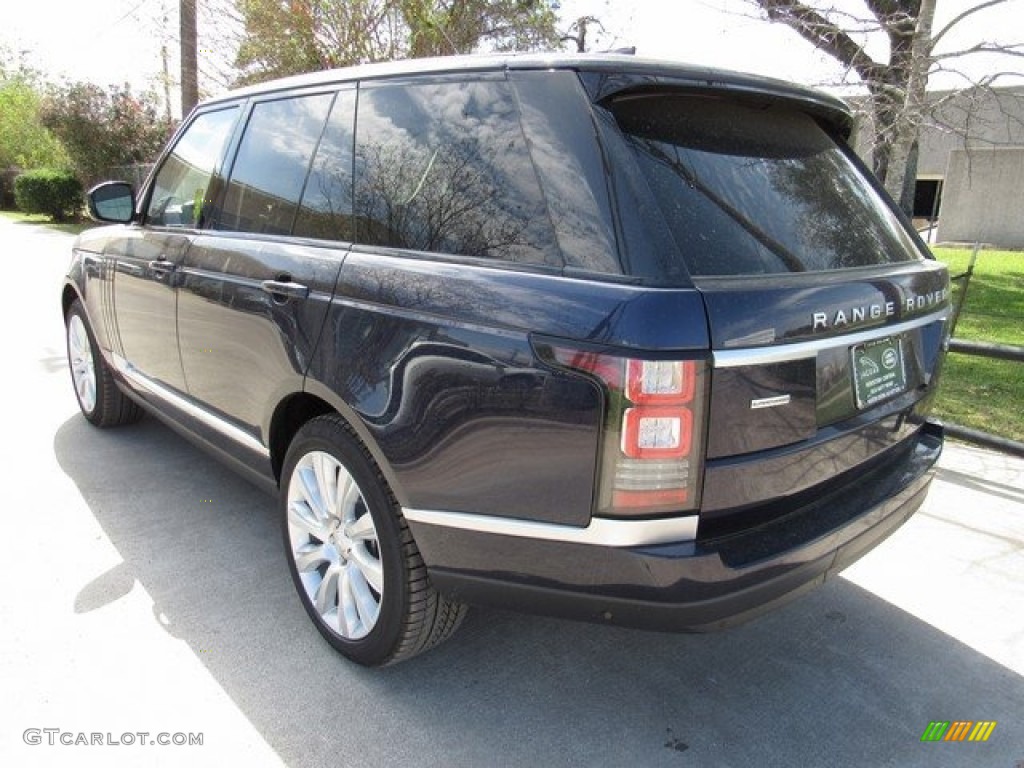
(651, 456)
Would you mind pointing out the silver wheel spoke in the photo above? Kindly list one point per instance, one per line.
(366, 604)
(86, 391)
(80, 359)
(326, 473)
(369, 567)
(326, 598)
(348, 612)
(310, 557)
(301, 516)
(348, 495)
(310, 492)
(362, 529)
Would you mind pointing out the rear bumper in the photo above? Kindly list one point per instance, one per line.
(696, 585)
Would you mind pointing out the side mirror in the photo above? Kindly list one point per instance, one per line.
(112, 201)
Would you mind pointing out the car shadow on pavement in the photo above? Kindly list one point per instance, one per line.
(839, 677)
(982, 485)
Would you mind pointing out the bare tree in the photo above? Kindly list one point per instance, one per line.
(897, 100)
(282, 37)
(577, 32)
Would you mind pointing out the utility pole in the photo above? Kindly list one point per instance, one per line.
(189, 64)
(165, 80)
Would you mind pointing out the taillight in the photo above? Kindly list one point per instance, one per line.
(652, 450)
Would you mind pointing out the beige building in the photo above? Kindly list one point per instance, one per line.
(970, 169)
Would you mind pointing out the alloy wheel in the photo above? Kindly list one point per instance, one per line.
(83, 368)
(334, 545)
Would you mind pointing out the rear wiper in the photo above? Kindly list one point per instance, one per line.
(769, 242)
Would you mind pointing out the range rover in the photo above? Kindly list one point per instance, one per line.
(619, 340)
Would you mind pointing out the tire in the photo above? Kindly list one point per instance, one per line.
(352, 558)
(98, 395)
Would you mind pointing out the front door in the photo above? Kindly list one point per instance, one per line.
(146, 263)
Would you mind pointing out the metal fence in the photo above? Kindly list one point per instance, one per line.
(980, 349)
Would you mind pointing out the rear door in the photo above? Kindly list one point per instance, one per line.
(255, 289)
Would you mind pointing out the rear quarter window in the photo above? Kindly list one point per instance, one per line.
(750, 188)
(443, 167)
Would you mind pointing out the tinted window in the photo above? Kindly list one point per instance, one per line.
(443, 167)
(558, 122)
(326, 210)
(271, 165)
(179, 197)
(750, 188)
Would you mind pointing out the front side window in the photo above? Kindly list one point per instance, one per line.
(180, 191)
(751, 188)
(443, 167)
(273, 159)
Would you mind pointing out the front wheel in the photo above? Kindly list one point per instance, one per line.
(352, 558)
(99, 398)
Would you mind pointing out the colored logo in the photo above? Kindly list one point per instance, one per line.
(958, 730)
(869, 366)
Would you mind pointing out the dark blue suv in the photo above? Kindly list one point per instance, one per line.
(605, 338)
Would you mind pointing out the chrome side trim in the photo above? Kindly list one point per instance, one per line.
(230, 431)
(601, 532)
(784, 353)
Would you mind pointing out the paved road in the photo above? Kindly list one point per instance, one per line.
(144, 591)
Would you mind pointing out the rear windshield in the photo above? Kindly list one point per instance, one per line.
(751, 188)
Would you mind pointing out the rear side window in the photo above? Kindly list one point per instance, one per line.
(326, 209)
(751, 188)
(444, 167)
(270, 168)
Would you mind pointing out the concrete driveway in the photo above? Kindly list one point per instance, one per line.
(144, 592)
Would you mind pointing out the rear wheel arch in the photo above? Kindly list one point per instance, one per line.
(300, 407)
(289, 417)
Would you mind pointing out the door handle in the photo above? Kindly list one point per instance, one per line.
(162, 265)
(278, 288)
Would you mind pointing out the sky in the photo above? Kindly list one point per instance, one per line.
(119, 41)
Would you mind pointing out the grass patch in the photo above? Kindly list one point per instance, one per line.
(982, 393)
(39, 219)
(975, 391)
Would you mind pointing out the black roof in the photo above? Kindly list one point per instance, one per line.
(621, 72)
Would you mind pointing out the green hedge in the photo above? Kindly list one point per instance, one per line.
(56, 193)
